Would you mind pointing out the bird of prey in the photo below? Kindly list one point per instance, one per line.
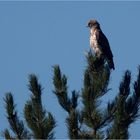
(99, 43)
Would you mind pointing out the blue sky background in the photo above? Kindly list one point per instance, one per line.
(34, 36)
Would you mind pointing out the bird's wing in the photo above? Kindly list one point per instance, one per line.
(104, 43)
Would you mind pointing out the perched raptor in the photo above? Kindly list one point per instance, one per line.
(99, 43)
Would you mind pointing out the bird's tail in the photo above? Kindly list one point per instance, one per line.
(111, 64)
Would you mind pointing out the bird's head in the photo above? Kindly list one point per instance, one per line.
(93, 23)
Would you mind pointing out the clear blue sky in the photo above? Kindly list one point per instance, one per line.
(34, 36)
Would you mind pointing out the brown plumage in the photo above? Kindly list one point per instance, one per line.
(99, 43)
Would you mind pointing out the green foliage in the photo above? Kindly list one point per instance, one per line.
(72, 124)
(96, 81)
(7, 134)
(67, 103)
(16, 125)
(35, 115)
(41, 125)
(127, 107)
(90, 119)
(60, 82)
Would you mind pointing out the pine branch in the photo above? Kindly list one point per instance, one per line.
(49, 123)
(41, 125)
(35, 88)
(7, 135)
(96, 80)
(28, 113)
(99, 74)
(108, 114)
(74, 100)
(133, 102)
(60, 84)
(119, 129)
(68, 104)
(72, 124)
(124, 89)
(16, 125)
(94, 63)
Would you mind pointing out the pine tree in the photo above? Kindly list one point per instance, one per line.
(16, 125)
(35, 115)
(40, 125)
(93, 121)
(127, 107)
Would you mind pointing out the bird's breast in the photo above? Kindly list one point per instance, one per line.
(94, 44)
(93, 41)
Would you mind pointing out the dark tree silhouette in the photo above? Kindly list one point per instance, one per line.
(40, 125)
(91, 120)
(16, 125)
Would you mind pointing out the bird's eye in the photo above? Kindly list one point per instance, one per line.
(89, 25)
